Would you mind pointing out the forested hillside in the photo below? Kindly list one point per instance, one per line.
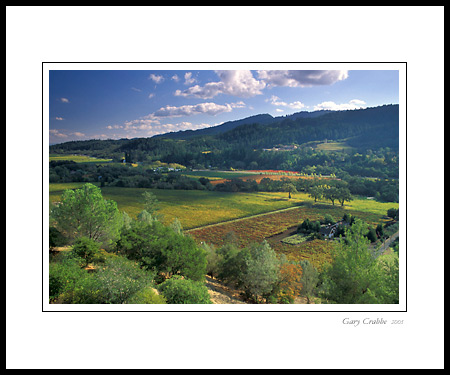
(368, 142)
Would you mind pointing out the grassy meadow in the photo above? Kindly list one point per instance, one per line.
(196, 208)
(77, 158)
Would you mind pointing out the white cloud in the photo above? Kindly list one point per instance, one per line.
(57, 133)
(155, 78)
(64, 100)
(175, 78)
(188, 80)
(329, 105)
(275, 100)
(189, 110)
(151, 95)
(59, 118)
(301, 78)
(110, 127)
(135, 89)
(240, 83)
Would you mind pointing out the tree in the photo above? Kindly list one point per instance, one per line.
(289, 285)
(161, 249)
(262, 270)
(86, 248)
(84, 213)
(213, 259)
(343, 195)
(151, 203)
(176, 226)
(315, 192)
(309, 280)
(351, 273)
(331, 193)
(289, 186)
(371, 235)
(393, 213)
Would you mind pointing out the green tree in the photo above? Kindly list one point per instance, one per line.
(309, 280)
(343, 195)
(119, 280)
(331, 193)
(213, 259)
(177, 227)
(315, 192)
(84, 212)
(289, 187)
(86, 248)
(262, 271)
(151, 203)
(393, 213)
(350, 275)
(161, 249)
(371, 235)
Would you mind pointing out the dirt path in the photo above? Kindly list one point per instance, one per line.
(221, 294)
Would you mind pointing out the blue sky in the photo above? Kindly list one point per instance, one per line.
(113, 104)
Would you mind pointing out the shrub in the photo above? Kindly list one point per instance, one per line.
(146, 296)
(68, 283)
(160, 249)
(63, 276)
(119, 279)
(86, 248)
(184, 291)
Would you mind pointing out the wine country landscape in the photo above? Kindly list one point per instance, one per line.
(239, 187)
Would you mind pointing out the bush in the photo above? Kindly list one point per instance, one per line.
(68, 283)
(184, 291)
(120, 279)
(146, 296)
(86, 248)
(63, 276)
(160, 249)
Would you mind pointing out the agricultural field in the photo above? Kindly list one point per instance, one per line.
(269, 226)
(197, 208)
(217, 175)
(210, 215)
(77, 158)
(194, 208)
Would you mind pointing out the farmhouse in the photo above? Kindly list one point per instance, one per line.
(330, 230)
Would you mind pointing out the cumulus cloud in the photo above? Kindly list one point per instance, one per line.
(301, 78)
(155, 78)
(329, 105)
(240, 83)
(62, 134)
(57, 133)
(64, 100)
(151, 129)
(211, 109)
(275, 100)
(188, 80)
